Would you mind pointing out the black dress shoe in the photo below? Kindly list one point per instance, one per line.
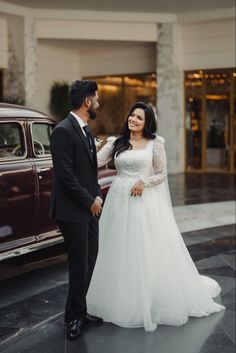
(92, 320)
(73, 329)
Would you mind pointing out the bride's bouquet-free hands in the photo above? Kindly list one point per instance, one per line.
(137, 188)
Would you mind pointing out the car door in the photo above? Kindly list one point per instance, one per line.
(42, 160)
(17, 187)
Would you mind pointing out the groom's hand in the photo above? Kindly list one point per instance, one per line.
(96, 208)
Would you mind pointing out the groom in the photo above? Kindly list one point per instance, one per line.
(76, 199)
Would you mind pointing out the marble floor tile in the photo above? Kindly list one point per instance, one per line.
(230, 259)
(228, 300)
(29, 312)
(226, 284)
(209, 234)
(218, 343)
(205, 215)
(210, 248)
(189, 338)
(190, 188)
(228, 324)
(226, 271)
(39, 313)
(210, 262)
(32, 280)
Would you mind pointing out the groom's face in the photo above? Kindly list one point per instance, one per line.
(93, 105)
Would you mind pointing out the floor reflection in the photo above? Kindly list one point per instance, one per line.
(187, 188)
(35, 313)
(189, 338)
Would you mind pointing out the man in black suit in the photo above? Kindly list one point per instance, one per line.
(76, 199)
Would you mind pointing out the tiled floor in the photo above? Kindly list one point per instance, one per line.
(214, 334)
(204, 215)
(32, 299)
(186, 188)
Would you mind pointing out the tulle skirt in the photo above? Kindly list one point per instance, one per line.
(144, 275)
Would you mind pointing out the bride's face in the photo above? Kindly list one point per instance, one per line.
(136, 120)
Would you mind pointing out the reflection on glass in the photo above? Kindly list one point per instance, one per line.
(11, 140)
(210, 119)
(139, 88)
(116, 95)
(41, 138)
(193, 84)
(1, 85)
(233, 134)
(217, 119)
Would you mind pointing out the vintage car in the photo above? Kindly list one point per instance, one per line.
(26, 179)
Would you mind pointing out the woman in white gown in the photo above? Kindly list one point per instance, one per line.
(144, 275)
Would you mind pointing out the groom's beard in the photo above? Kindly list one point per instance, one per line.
(92, 114)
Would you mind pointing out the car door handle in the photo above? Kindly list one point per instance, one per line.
(40, 170)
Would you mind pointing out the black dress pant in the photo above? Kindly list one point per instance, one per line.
(81, 240)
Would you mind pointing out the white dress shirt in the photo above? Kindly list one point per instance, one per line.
(80, 121)
(82, 124)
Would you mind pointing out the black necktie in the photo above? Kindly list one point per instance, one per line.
(89, 136)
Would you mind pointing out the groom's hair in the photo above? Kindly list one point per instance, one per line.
(80, 90)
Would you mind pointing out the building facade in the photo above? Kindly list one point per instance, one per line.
(182, 64)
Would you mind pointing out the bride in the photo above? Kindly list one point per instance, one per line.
(144, 275)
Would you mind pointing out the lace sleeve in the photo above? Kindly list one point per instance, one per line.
(105, 154)
(159, 164)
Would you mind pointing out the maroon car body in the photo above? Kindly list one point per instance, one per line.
(26, 179)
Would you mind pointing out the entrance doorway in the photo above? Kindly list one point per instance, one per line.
(1, 85)
(210, 120)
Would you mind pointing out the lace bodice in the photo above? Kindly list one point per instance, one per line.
(148, 164)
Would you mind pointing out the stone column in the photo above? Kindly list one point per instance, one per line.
(30, 63)
(170, 101)
(14, 75)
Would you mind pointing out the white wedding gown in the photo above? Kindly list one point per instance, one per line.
(144, 275)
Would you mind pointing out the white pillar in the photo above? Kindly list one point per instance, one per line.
(14, 75)
(30, 64)
(170, 101)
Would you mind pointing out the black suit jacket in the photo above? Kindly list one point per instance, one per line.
(75, 184)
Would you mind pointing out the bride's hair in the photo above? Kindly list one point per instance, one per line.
(122, 143)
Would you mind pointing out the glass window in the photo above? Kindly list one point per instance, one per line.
(11, 140)
(1, 85)
(217, 119)
(116, 96)
(193, 121)
(209, 119)
(41, 139)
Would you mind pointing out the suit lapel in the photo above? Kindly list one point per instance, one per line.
(77, 128)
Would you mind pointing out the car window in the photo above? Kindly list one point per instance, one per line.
(11, 140)
(41, 133)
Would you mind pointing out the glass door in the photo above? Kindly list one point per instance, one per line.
(194, 120)
(210, 120)
(233, 125)
(217, 121)
(1, 85)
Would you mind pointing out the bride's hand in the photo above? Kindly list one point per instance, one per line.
(137, 188)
